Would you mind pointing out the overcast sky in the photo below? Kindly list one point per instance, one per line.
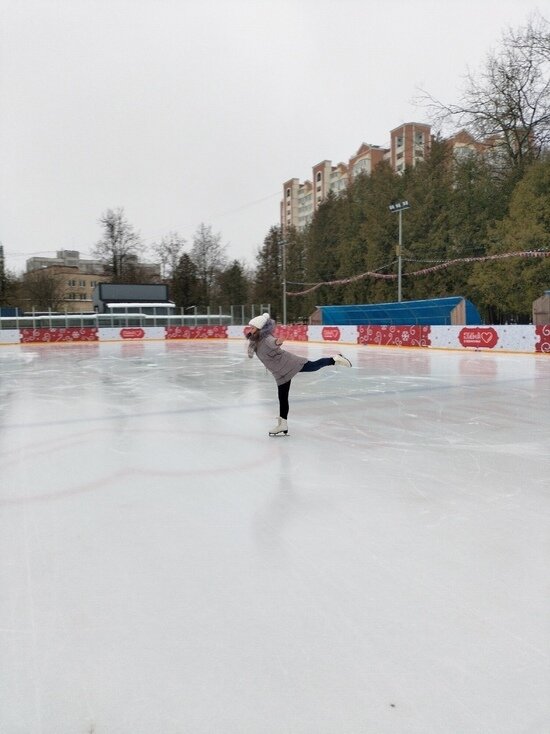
(190, 111)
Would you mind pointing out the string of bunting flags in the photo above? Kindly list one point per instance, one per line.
(423, 271)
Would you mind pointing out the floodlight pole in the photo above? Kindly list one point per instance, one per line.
(399, 261)
(399, 207)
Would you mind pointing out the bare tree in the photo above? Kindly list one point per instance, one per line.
(208, 256)
(9, 283)
(3, 276)
(537, 38)
(43, 289)
(169, 251)
(507, 104)
(120, 245)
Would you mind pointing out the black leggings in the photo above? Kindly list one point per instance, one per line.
(284, 389)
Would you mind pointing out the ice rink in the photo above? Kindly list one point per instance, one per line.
(167, 568)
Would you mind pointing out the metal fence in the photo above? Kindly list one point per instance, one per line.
(153, 316)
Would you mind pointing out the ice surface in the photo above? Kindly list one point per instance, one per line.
(167, 568)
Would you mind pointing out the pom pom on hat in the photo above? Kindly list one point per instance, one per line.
(259, 321)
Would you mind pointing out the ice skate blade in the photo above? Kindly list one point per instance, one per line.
(279, 433)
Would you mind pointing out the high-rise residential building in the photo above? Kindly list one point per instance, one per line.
(464, 145)
(410, 143)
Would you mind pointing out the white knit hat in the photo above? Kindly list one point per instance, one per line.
(259, 321)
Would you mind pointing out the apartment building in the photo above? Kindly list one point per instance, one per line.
(78, 277)
(409, 144)
(66, 258)
(77, 287)
(465, 145)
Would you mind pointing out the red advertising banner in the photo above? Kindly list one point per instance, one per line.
(196, 332)
(330, 333)
(43, 335)
(292, 332)
(132, 333)
(542, 332)
(395, 336)
(478, 337)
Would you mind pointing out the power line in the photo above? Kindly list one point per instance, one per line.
(240, 208)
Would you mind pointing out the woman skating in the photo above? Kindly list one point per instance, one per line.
(283, 365)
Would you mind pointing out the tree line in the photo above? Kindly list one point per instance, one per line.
(458, 210)
(198, 276)
(490, 201)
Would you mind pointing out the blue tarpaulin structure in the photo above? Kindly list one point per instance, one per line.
(432, 311)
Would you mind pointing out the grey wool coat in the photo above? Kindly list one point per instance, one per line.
(283, 365)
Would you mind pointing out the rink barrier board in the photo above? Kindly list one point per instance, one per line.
(508, 338)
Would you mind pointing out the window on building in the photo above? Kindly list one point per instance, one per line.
(362, 165)
(319, 176)
(288, 192)
(419, 138)
(463, 151)
(82, 296)
(399, 141)
(71, 283)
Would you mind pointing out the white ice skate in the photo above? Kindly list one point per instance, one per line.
(281, 429)
(341, 360)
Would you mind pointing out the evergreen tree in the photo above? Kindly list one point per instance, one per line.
(428, 189)
(506, 288)
(185, 283)
(372, 236)
(233, 285)
(268, 286)
(295, 248)
(322, 246)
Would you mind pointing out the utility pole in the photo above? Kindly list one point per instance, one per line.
(399, 206)
(283, 244)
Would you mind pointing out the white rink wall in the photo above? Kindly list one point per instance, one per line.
(132, 333)
(10, 336)
(493, 338)
(508, 338)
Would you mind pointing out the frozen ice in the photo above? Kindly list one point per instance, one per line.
(167, 568)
